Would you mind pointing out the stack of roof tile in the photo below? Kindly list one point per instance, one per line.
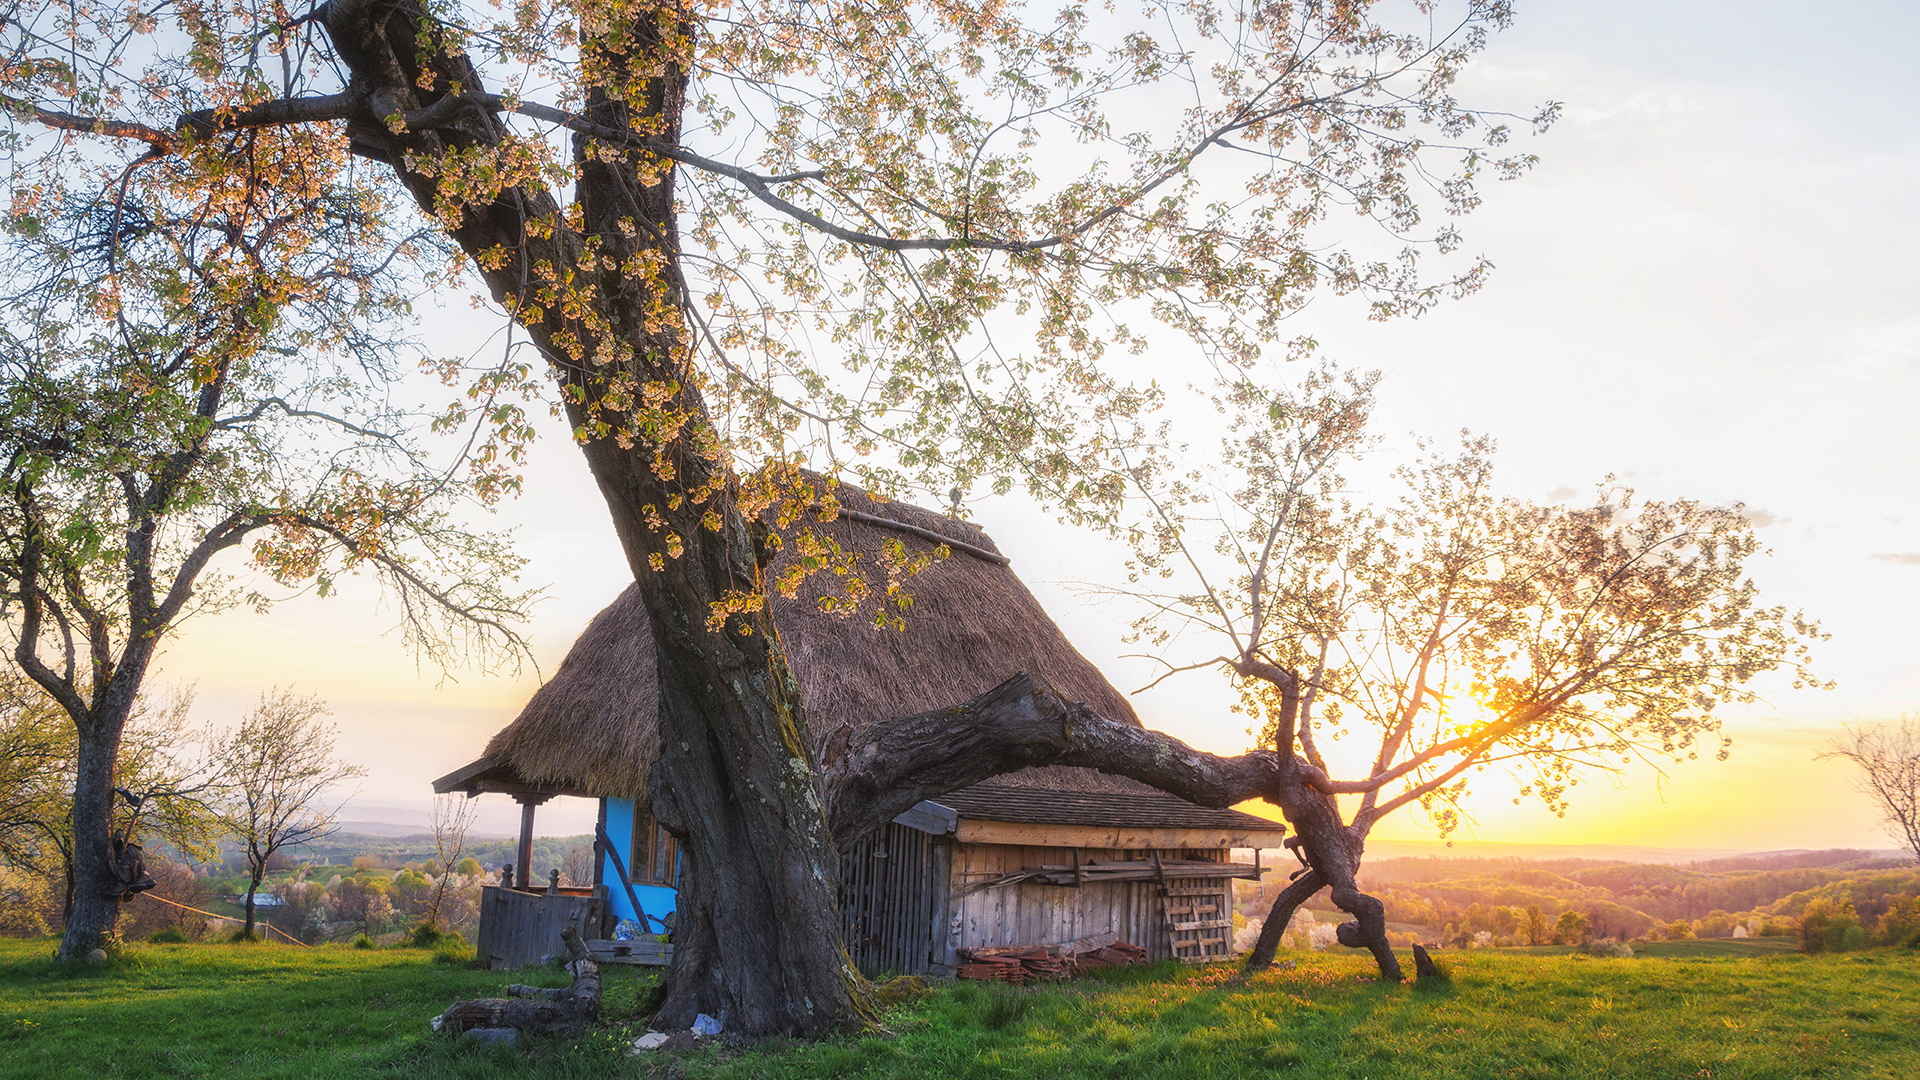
(1021, 964)
(1117, 954)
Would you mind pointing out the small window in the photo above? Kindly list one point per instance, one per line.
(656, 854)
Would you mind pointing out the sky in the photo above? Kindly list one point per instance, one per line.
(1706, 288)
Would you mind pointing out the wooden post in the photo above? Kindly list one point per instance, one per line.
(626, 879)
(599, 853)
(523, 873)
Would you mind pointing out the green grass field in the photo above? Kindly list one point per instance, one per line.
(262, 1012)
(1685, 949)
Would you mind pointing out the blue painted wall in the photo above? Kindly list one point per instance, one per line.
(657, 899)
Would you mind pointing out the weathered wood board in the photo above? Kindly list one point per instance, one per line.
(1036, 914)
(644, 953)
(522, 928)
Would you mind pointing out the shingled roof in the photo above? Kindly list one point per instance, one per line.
(1149, 809)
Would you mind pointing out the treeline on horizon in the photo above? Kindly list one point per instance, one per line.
(334, 889)
(1840, 898)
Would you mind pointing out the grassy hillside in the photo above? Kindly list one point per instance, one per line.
(264, 1012)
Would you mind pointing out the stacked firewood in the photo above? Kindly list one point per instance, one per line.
(1020, 965)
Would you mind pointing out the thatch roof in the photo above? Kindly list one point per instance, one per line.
(594, 726)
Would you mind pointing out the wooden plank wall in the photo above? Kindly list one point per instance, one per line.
(520, 929)
(1031, 914)
(893, 899)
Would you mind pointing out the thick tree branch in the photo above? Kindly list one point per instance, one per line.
(26, 650)
(1023, 722)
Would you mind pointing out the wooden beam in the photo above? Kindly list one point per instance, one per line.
(649, 953)
(969, 831)
(460, 778)
(489, 786)
(600, 845)
(523, 863)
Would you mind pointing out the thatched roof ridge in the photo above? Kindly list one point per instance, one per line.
(594, 725)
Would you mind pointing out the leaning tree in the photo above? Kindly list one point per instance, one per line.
(1445, 631)
(737, 233)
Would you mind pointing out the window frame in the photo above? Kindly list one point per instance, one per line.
(650, 842)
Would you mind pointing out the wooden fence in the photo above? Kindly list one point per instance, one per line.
(893, 897)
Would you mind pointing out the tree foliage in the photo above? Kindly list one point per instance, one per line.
(280, 781)
(1888, 757)
(1448, 628)
(198, 359)
(167, 786)
(913, 238)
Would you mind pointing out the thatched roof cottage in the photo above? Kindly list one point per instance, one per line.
(1041, 856)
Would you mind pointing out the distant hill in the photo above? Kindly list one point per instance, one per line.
(1852, 858)
(1620, 898)
(380, 828)
(1407, 849)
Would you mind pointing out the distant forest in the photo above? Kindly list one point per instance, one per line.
(394, 852)
(1511, 901)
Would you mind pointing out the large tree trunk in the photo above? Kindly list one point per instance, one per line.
(96, 888)
(253, 889)
(891, 765)
(758, 939)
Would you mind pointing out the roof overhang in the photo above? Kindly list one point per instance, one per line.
(488, 775)
(1034, 834)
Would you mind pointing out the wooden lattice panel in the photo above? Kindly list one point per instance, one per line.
(1199, 914)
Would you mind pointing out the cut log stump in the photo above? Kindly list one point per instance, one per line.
(535, 1010)
(1423, 966)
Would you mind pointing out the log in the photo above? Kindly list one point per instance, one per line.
(535, 1010)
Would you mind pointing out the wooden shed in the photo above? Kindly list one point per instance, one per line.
(1042, 856)
(1000, 864)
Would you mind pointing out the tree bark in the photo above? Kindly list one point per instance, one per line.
(1333, 850)
(891, 765)
(253, 886)
(1297, 892)
(96, 889)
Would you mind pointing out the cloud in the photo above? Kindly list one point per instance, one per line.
(1561, 494)
(1898, 558)
(1761, 519)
